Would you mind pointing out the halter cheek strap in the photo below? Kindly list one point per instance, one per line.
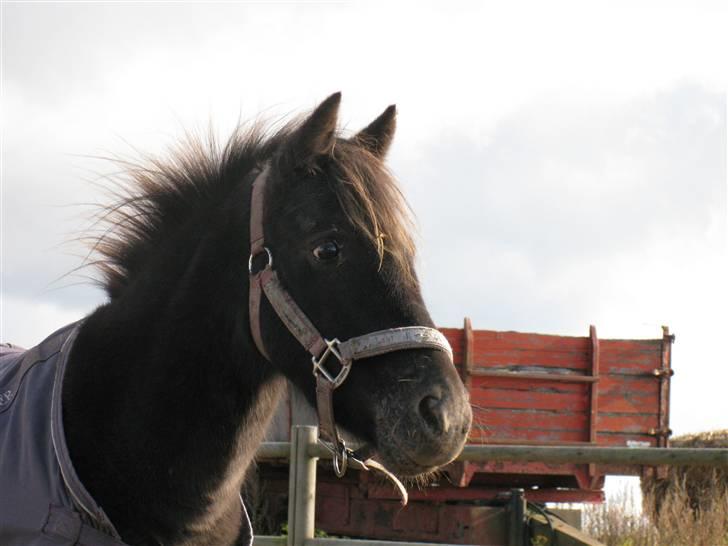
(264, 280)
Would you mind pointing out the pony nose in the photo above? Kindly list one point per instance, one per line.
(434, 413)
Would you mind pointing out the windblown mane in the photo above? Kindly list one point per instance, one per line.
(154, 195)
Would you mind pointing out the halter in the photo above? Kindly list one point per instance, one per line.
(264, 280)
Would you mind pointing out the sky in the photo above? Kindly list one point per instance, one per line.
(566, 161)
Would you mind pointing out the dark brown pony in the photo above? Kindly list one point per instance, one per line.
(166, 396)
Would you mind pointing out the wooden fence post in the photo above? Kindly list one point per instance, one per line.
(301, 486)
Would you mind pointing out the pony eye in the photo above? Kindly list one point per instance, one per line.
(326, 251)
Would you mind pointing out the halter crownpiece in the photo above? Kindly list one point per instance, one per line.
(264, 280)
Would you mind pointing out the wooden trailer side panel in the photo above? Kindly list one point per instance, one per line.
(555, 390)
(529, 388)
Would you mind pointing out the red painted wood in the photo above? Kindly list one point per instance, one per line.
(623, 439)
(544, 359)
(630, 403)
(494, 383)
(534, 419)
(625, 385)
(530, 399)
(513, 410)
(623, 422)
(489, 433)
(526, 341)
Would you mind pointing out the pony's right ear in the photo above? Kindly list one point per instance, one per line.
(317, 134)
(377, 136)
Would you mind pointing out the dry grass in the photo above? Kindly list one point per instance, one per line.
(701, 487)
(619, 523)
(687, 508)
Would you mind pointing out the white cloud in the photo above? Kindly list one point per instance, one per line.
(566, 160)
(26, 323)
(612, 214)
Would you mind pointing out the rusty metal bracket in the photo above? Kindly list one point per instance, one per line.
(593, 398)
(664, 375)
(468, 341)
(660, 432)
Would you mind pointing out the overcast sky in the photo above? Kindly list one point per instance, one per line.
(566, 160)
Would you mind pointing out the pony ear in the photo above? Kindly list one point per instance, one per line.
(317, 134)
(378, 135)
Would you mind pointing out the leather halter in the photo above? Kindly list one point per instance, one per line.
(264, 280)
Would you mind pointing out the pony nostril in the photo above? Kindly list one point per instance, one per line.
(432, 413)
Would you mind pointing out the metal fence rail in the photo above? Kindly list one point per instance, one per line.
(646, 456)
(304, 449)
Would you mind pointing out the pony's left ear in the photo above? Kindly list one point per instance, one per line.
(317, 134)
(377, 136)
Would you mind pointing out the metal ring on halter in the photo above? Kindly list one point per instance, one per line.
(266, 266)
(341, 460)
(332, 349)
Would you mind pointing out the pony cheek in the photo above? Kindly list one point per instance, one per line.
(353, 407)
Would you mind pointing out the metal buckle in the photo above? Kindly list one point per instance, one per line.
(340, 455)
(341, 460)
(331, 349)
(266, 266)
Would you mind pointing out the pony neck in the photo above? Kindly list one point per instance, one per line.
(165, 398)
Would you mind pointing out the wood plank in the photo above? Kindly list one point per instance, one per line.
(630, 356)
(633, 423)
(622, 439)
(505, 358)
(636, 367)
(529, 399)
(629, 394)
(527, 341)
(478, 436)
(631, 364)
(508, 383)
(513, 419)
(628, 401)
(455, 333)
(613, 385)
(481, 436)
(627, 345)
(537, 436)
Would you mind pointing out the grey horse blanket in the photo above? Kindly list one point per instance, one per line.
(42, 501)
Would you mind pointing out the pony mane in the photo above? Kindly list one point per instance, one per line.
(153, 195)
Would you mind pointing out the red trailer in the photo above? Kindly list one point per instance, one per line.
(525, 389)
